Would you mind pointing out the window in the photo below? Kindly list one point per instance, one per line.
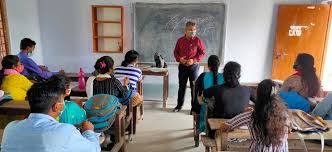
(4, 41)
(107, 26)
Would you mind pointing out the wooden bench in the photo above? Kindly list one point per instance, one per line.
(120, 140)
(221, 140)
(293, 144)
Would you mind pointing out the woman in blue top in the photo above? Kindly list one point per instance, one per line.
(205, 81)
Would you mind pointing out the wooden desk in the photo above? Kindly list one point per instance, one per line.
(165, 75)
(76, 92)
(74, 76)
(15, 108)
(221, 137)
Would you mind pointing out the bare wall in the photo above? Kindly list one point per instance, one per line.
(66, 33)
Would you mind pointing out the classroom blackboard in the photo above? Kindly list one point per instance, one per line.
(158, 26)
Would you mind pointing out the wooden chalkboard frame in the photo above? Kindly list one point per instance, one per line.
(223, 35)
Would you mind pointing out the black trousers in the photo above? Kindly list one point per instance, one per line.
(185, 73)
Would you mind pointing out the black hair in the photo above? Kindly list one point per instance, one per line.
(42, 96)
(213, 64)
(27, 42)
(190, 23)
(232, 74)
(104, 64)
(305, 65)
(130, 56)
(7, 63)
(269, 116)
(60, 80)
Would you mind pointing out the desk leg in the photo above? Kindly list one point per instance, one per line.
(140, 91)
(221, 140)
(165, 91)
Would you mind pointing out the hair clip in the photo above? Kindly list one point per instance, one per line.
(102, 64)
(275, 88)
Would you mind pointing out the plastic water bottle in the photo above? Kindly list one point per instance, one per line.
(81, 80)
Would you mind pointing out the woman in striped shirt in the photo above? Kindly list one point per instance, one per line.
(128, 70)
(267, 122)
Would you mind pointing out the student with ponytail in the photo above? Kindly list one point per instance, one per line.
(105, 82)
(230, 98)
(267, 135)
(128, 70)
(205, 81)
(11, 79)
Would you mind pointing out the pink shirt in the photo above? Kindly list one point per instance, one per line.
(189, 48)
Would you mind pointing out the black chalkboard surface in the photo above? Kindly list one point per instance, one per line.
(158, 26)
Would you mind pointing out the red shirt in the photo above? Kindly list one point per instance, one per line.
(189, 48)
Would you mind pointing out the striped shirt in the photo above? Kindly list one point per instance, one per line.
(256, 144)
(134, 74)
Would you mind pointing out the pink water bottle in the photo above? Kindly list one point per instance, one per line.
(81, 80)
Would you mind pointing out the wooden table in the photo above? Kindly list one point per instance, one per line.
(15, 108)
(164, 73)
(74, 76)
(221, 137)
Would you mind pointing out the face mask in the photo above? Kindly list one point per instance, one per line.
(20, 68)
(192, 34)
(30, 54)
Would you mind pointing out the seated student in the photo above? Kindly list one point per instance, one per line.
(267, 122)
(324, 110)
(205, 81)
(231, 98)
(32, 70)
(128, 70)
(40, 132)
(13, 82)
(73, 113)
(105, 82)
(304, 82)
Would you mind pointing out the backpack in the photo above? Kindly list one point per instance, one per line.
(101, 111)
(303, 123)
(72, 114)
(160, 61)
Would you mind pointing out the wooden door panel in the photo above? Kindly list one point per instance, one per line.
(300, 29)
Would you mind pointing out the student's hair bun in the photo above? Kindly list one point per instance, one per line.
(104, 64)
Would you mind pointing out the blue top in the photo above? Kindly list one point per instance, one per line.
(31, 66)
(42, 133)
(208, 79)
(324, 108)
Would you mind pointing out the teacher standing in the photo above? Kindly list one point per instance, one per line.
(189, 51)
